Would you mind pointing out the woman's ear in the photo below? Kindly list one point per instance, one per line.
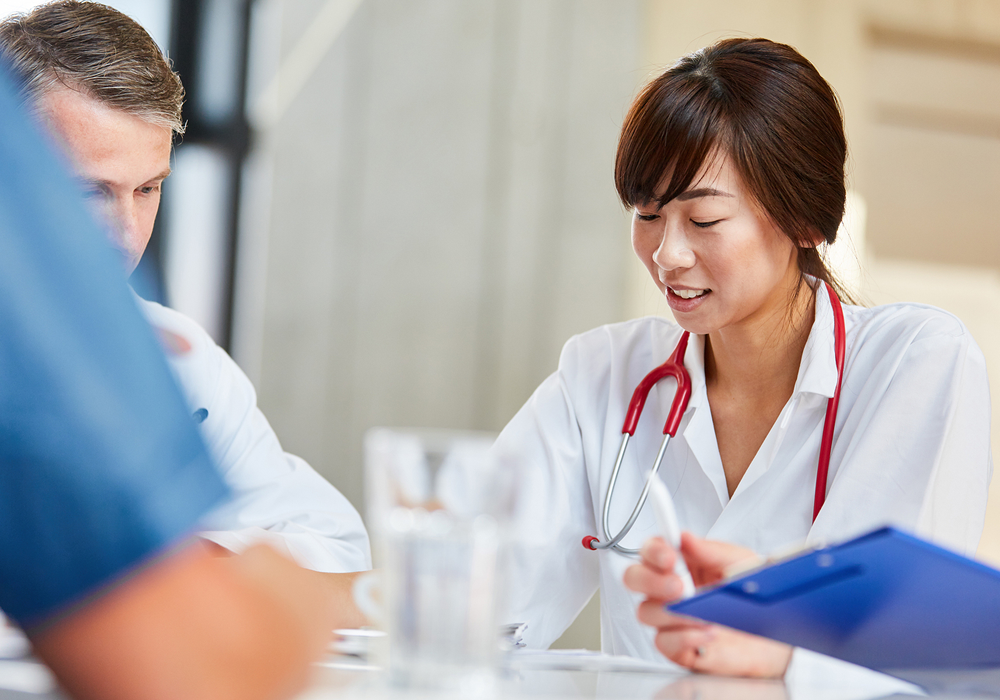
(813, 239)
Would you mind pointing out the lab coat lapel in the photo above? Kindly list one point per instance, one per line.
(818, 369)
(815, 382)
(699, 433)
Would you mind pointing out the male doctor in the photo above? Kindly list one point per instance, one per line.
(105, 91)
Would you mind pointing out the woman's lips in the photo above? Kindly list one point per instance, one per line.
(686, 300)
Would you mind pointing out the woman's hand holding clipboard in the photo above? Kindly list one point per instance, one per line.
(668, 573)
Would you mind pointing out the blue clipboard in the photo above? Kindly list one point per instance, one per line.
(885, 600)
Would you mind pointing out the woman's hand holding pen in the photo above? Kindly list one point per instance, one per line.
(700, 646)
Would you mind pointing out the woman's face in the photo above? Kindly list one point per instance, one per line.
(715, 255)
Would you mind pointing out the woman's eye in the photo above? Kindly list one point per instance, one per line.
(705, 224)
(646, 217)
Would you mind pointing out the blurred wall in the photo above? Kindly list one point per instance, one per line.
(441, 216)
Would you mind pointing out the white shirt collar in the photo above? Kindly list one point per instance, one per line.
(694, 363)
(817, 375)
(817, 369)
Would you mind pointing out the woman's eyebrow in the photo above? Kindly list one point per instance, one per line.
(702, 192)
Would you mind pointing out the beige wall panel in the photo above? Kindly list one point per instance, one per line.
(935, 170)
(934, 152)
(966, 19)
(675, 28)
(925, 78)
(931, 196)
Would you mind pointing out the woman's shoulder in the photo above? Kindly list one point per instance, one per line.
(895, 329)
(625, 342)
(599, 362)
(638, 332)
(906, 320)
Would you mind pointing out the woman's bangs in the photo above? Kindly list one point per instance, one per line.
(669, 133)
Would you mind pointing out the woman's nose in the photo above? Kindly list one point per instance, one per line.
(674, 251)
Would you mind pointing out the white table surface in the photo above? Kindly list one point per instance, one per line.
(338, 679)
(592, 676)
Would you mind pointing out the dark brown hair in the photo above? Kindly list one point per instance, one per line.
(766, 107)
(97, 50)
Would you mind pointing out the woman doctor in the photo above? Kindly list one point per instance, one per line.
(733, 164)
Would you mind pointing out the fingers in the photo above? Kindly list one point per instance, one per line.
(658, 555)
(723, 651)
(654, 576)
(653, 584)
(680, 639)
(690, 643)
(709, 559)
(654, 614)
(688, 647)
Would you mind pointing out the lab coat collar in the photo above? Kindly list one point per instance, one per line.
(817, 375)
(699, 433)
(694, 363)
(818, 368)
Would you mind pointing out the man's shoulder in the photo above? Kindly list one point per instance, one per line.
(179, 334)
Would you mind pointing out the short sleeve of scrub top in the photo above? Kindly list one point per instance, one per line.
(101, 467)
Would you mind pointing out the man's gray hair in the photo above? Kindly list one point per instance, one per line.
(96, 49)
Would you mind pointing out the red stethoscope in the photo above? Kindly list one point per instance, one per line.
(674, 367)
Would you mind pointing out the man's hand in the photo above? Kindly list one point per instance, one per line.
(197, 627)
(340, 586)
(698, 645)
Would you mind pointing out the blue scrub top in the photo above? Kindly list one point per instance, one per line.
(101, 466)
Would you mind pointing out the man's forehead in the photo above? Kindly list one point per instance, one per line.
(104, 143)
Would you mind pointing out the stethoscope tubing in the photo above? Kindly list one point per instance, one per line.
(830, 422)
(612, 543)
(674, 367)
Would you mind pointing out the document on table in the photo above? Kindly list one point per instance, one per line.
(584, 660)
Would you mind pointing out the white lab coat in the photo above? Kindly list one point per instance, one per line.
(277, 497)
(911, 448)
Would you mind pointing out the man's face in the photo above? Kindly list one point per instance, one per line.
(120, 159)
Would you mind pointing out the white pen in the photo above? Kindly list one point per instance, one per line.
(670, 530)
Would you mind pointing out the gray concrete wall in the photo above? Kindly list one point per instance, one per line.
(441, 217)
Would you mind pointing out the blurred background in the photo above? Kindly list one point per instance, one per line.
(395, 212)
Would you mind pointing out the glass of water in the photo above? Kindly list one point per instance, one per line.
(438, 505)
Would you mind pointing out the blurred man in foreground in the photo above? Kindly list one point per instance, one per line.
(100, 84)
(103, 477)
